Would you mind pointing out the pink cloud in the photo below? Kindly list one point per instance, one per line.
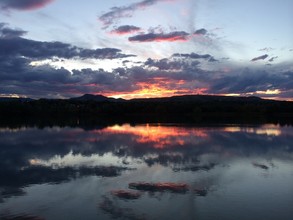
(125, 29)
(161, 37)
(263, 57)
(117, 13)
(24, 4)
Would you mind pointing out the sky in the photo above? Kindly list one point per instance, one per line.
(146, 48)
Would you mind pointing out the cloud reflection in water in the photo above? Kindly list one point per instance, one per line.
(204, 158)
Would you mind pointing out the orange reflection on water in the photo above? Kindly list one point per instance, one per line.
(159, 136)
(269, 130)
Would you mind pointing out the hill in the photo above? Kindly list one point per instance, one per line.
(189, 107)
(9, 99)
(199, 98)
(89, 97)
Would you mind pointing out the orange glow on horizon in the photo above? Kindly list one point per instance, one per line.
(158, 88)
(155, 93)
(164, 93)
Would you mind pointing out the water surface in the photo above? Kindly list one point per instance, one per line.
(149, 171)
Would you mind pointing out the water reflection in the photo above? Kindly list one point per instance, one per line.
(123, 169)
(158, 136)
(269, 130)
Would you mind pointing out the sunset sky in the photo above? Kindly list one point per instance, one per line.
(146, 48)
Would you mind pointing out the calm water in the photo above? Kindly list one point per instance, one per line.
(147, 172)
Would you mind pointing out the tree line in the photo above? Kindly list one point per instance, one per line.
(148, 109)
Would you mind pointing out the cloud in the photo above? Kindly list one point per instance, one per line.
(182, 73)
(266, 49)
(17, 76)
(166, 37)
(165, 64)
(103, 53)
(125, 29)
(200, 32)
(172, 76)
(160, 37)
(208, 57)
(168, 76)
(43, 50)
(273, 59)
(116, 13)
(252, 81)
(23, 4)
(11, 44)
(6, 32)
(263, 57)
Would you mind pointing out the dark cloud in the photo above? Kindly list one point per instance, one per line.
(124, 62)
(167, 69)
(125, 29)
(212, 59)
(273, 59)
(263, 57)
(185, 75)
(6, 32)
(201, 32)
(208, 57)
(42, 50)
(165, 64)
(23, 4)
(266, 49)
(104, 53)
(116, 13)
(17, 76)
(160, 37)
(11, 44)
(250, 81)
(182, 73)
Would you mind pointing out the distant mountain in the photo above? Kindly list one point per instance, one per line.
(96, 98)
(89, 97)
(190, 107)
(9, 99)
(183, 98)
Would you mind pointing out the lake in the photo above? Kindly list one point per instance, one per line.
(147, 171)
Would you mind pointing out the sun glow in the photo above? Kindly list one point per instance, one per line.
(151, 92)
(269, 92)
(11, 96)
(157, 88)
(154, 93)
